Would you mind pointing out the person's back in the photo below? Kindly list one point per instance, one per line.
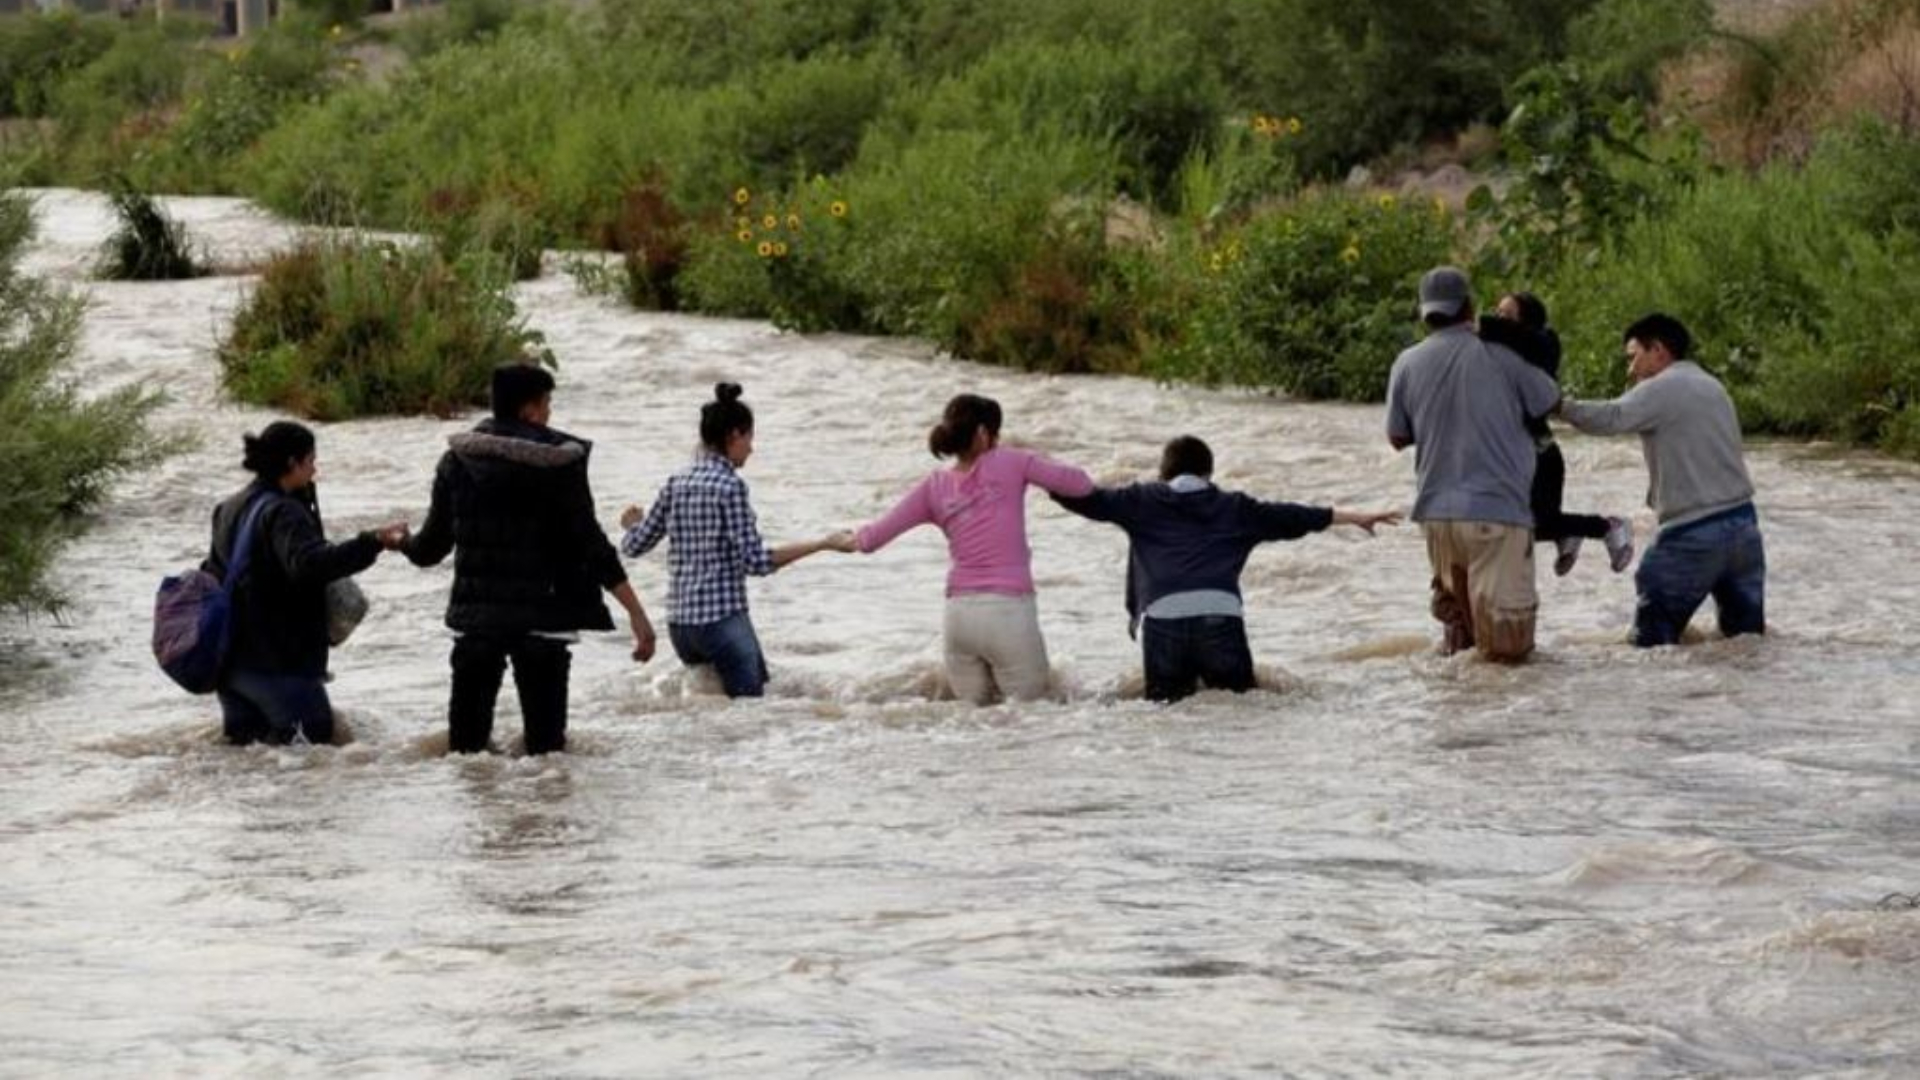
(1464, 404)
(982, 511)
(512, 504)
(528, 553)
(1188, 542)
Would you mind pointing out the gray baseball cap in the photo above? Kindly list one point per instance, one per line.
(1444, 290)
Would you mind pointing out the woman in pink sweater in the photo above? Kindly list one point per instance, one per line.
(992, 623)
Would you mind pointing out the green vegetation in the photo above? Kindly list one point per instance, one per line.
(148, 245)
(355, 327)
(1083, 185)
(58, 450)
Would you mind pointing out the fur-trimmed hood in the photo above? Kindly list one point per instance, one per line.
(519, 444)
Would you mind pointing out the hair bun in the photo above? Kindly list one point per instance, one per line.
(726, 392)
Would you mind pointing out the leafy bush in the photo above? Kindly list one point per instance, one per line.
(148, 245)
(1802, 298)
(59, 451)
(38, 54)
(236, 103)
(780, 261)
(353, 327)
(1316, 299)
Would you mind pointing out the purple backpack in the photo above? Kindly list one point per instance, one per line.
(193, 615)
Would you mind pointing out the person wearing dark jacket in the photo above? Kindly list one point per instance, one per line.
(512, 503)
(1519, 322)
(273, 688)
(1188, 542)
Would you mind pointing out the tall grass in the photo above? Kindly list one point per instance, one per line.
(148, 245)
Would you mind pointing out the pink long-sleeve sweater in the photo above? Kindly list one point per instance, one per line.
(983, 511)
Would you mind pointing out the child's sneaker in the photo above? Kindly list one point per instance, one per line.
(1619, 543)
(1569, 547)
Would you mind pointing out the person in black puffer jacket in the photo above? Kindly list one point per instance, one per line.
(273, 687)
(512, 503)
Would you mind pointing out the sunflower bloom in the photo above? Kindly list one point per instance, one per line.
(1388, 202)
(770, 222)
(745, 236)
(765, 249)
(1294, 126)
(780, 249)
(1351, 255)
(741, 196)
(793, 221)
(837, 209)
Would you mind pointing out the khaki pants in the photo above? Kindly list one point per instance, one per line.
(994, 648)
(1483, 586)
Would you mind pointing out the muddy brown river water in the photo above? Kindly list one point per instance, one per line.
(1608, 862)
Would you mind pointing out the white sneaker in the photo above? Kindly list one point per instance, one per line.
(1569, 553)
(1619, 543)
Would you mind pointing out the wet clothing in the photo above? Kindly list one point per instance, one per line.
(256, 707)
(512, 504)
(540, 669)
(1721, 556)
(1188, 542)
(1690, 435)
(1182, 655)
(1463, 404)
(983, 512)
(280, 606)
(1709, 542)
(1483, 586)
(994, 648)
(731, 646)
(1191, 538)
(714, 541)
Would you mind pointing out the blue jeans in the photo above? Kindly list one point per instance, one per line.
(256, 706)
(1722, 557)
(1180, 654)
(731, 646)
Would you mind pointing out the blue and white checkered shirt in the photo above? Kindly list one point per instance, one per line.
(715, 544)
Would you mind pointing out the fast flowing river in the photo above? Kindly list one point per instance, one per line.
(1608, 862)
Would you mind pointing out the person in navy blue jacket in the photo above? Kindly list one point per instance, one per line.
(1188, 542)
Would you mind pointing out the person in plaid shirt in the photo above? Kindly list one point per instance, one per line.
(714, 544)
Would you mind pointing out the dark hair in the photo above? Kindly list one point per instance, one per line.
(517, 385)
(274, 452)
(723, 416)
(1533, 311)
(966, 415)
(1186, 456)
(1662, 329)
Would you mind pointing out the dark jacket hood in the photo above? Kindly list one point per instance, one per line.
(514, 443)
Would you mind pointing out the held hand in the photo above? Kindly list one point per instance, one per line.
(643, 639)
(1368, 519)
(632, 516)
(842, 541)
(392, 536)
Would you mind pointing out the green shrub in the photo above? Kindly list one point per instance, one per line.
(941, 229)
(236, 103)
(58, 451)
(780, 260)
(353, 327)
(148, 245)
(38, 54)
(1315, 300)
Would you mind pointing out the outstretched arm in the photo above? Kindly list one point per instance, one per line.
(913, 510)
(434, 541)
(1100, 504)
(1058, 478)
(1635, 411)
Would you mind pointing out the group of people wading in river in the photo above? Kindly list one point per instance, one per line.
(511, 503)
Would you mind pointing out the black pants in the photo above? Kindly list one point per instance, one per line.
(540, 667)
(1549, 488)
(1182, 653)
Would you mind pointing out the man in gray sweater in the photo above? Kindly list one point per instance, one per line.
(1709, 541)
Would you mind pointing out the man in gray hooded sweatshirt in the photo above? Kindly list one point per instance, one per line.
(1709, 541)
